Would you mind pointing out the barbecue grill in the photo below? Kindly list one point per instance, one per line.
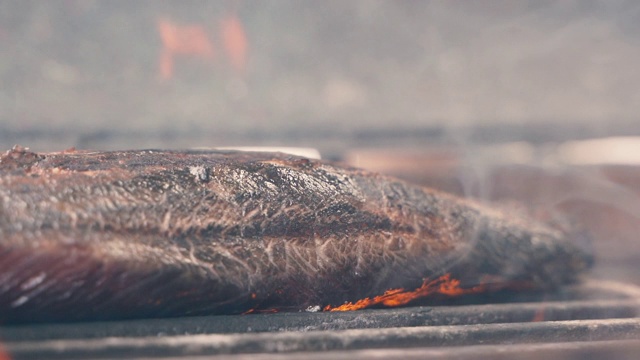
(597, 315)
(526, 106)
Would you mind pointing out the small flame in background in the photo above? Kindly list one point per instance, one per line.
(235, 42)
(180, 40)
(443, 285)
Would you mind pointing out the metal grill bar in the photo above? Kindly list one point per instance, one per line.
(381, 318)
(406, 337)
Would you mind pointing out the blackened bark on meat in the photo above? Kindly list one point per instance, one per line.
(131, 234)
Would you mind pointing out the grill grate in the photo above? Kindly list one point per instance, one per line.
(595, 311)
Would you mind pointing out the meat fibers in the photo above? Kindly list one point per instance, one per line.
(133, 234)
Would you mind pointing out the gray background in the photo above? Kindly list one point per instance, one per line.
(330, 74)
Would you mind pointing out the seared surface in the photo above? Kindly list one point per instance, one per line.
(105, 235)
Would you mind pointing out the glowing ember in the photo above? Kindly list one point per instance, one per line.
(258, 311)
(444, 285)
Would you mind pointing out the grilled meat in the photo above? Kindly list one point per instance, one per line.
(131, 234)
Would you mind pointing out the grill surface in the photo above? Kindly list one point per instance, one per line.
(597, 311)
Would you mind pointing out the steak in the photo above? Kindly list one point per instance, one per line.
(131, 234)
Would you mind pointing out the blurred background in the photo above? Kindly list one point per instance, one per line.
(112, 74)
(528, 102)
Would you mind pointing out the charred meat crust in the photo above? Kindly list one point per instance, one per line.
(124, 234)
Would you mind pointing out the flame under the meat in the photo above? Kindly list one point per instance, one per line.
(443, 285)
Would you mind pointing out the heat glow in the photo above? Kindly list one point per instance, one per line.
(181, 40)
(194, 41)
(235, 42)
(443, 285)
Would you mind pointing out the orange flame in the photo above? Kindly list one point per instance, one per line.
(235, 42)
(193, 41)
(186, 40)
(443, 285)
